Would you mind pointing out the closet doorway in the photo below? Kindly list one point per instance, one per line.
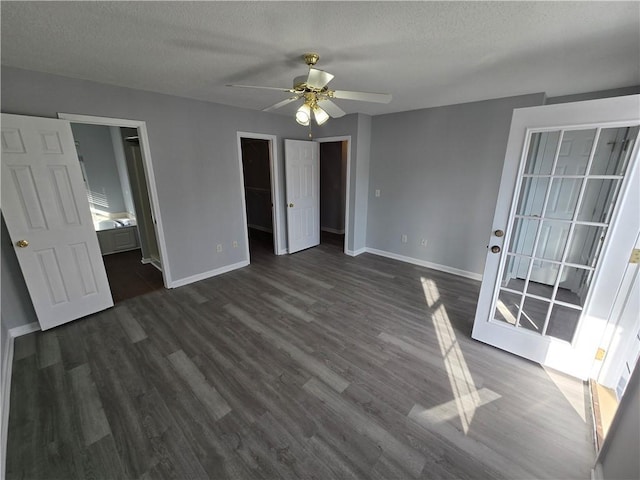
(259, 180)
(333, 191)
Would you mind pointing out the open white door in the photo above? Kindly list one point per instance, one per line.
(45, 206)
(565, 224)
(302, 167)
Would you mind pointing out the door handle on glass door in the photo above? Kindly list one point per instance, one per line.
(498, 233)
(495, 249)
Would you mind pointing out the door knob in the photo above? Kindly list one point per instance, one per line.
(498, 233)
(22, 243)
(291, 205)
(495, 249)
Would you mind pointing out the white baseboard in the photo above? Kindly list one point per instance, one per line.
(332, 230)
(355, 253)
(209, 274)
(24, 329)
(7, 365)
(145, 261)
(7, 369)
(424, 263)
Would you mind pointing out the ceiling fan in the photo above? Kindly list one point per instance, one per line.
(317, 96)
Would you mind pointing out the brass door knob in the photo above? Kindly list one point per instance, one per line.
(291, 205)
(495, 249)
(498, 233)
(22, 243)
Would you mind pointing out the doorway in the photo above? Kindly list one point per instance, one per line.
(264, 194)
(113, 174)
(333, 192)
(259, 181)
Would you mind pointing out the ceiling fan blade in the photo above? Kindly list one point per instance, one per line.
(318, 78)
(331, 108)
(280, 89)
(362, 96)
(281, 104)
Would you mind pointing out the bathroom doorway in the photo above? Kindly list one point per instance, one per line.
(117, 189)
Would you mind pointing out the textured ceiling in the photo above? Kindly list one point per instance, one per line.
(424, 53)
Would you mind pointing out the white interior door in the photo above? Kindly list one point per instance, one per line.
(46, 210)
(568, 203)
(302, 175)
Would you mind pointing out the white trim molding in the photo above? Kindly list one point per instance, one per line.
(211, 273)
(424, 263)
(7, 370)
(355, 253)
(145, 151)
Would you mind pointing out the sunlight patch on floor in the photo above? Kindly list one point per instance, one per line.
(567, 386)
(466, 396)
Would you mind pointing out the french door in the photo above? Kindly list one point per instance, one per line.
(565, 219)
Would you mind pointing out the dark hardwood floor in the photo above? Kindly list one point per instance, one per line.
(312, 365)
(129, 277)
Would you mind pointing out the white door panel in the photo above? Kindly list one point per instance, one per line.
(44, 202)
(568, 204)
(302, 168)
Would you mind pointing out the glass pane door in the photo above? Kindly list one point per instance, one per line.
(565, 198)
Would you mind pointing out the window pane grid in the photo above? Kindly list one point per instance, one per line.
(566, 194)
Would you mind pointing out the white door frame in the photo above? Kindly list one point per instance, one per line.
(145, 150)
(345, 138)
(275, 187)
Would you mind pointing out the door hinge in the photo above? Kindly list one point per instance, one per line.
(635, 256)
(600, 354)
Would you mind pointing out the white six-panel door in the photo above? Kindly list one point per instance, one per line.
(302, 172)
(45, 206)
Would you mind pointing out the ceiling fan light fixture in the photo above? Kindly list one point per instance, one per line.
(303, 115)
(320, 115)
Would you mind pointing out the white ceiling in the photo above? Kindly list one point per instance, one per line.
(424, 53)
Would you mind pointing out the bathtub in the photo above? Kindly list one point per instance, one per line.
(117, 235)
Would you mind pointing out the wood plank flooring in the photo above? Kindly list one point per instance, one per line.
(314, 365)
(129, 277)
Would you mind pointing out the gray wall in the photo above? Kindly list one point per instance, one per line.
(619, 455)
(438, 172)
(95, 145)
(193, 150)
(16, 305)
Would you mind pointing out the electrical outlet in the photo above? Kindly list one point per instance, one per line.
(377, 192)
(235, 244)
(403, 239)
(423, 242)
(219, 248)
